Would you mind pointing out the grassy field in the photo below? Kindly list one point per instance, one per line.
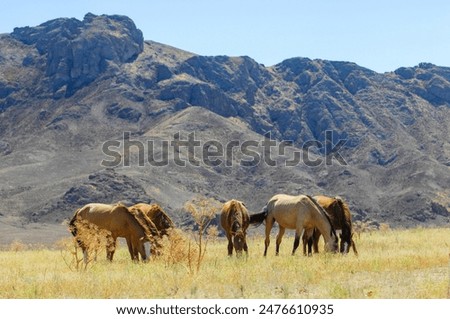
(391, 264)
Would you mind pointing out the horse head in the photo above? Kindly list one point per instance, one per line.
(332, 245)
(239, 242)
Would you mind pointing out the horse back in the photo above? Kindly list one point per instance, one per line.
(335, 209)
(289, 210)
(114, 218)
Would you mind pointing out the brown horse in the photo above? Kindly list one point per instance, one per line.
(160, 219)
(118, 221)
(234, 219)
(341, 219)
(295, 212)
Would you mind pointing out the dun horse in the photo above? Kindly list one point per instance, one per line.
(117, 221)
(341, 219)
(235, 220)
(295, 212)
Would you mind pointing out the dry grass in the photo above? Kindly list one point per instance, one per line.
(392, 264)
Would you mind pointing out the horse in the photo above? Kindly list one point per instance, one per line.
(341, 219)
(295, 212)
(118, 221)
(234, 219)
(163, 223)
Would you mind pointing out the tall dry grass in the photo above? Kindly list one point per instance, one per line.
(391, 264)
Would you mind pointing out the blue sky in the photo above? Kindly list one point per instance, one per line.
(381, 35)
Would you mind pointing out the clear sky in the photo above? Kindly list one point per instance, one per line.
(381, 35)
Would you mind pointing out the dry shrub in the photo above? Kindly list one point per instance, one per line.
(212, 233)
(203, 210)
(17, 246)
(363, 227)
(384, 227)
(95, 241)
(176, 248)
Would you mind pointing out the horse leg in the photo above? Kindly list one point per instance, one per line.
(316, 237)
(269, 225)
(305, 241)
(279, 238)
(141, 249)
(110, 247)
(130, 248)
(230, 244)
(298, 233)
(310, 244)
(245, 247)
(133, 248)
(135, 255)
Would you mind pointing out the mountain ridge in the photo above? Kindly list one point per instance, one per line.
(68, 86)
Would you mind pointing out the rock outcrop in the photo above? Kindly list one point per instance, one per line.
(77, 52)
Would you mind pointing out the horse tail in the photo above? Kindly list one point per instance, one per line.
(259, 218)
(74, 229)
(72, 224)
(320, 208)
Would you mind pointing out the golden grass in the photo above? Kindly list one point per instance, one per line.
(392, 264)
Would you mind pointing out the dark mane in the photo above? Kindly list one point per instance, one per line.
(147, 225)
(157, 211)
(333, 231)
(347, 230)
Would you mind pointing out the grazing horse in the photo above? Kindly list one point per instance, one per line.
(295, 212)
(341, 219)
(160, 219)
(235, 220)
(118, 221)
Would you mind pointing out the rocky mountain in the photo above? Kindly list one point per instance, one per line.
(89, 110)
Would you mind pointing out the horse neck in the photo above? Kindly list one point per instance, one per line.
(137, 224)
(325, 226)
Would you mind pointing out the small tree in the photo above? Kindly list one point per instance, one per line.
(203, 210)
